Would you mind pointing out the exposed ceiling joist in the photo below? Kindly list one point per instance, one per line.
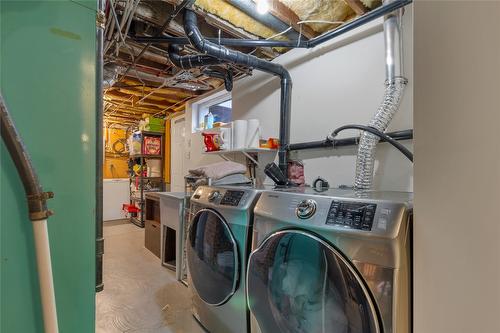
(357, 6)
(146, 82)
(289, 17)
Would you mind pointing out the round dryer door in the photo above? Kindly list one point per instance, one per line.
(212, 255)
(298, 283)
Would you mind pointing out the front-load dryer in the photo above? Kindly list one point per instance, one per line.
(334, 262)
(218, 245)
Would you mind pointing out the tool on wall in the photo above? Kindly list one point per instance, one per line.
(38, 214)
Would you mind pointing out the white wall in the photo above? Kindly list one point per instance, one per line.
(335, 84)
(338, 83)
(457, 167)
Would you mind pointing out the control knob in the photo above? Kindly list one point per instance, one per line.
(213, 195)
(305, 209)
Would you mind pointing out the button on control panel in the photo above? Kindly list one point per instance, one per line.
(355, 215)
(232, 198)
(213, 196)
(305, 209)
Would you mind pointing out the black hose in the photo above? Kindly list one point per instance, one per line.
(237, 42)
(190, 61)
(37, 199)
(220, 52)
(222, 74)
(378, 133)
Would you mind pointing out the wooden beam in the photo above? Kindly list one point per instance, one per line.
(139, 108)
(286, 15)
(154, 96)
(125, 98)
(357, 6)
(129, 108)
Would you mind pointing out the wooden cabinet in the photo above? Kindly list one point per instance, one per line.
(152, 234)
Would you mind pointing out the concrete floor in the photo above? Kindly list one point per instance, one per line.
(140, 295)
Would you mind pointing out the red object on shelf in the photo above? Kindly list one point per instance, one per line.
(212, 141)
(152, 145)
(130, 208)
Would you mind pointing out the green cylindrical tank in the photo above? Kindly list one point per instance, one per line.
(47, 77)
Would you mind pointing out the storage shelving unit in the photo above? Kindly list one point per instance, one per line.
(138, 197)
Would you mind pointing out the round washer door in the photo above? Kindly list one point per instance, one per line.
(298, 283)
(212, 255)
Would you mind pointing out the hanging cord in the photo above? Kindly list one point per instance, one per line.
(376, 132)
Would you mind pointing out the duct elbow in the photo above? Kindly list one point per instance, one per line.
(173, 54)
(191, 30)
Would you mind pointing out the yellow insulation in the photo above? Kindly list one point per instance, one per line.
(234, 16)
(324, 10)
(371, 3)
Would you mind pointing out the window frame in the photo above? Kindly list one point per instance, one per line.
(205, 103)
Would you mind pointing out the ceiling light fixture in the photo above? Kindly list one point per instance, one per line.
(262, 7)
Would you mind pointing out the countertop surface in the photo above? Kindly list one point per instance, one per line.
(176, 195)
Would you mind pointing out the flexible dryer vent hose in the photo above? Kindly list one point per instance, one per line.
(394, 88)
(365, 162)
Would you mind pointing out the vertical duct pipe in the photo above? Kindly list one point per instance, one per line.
(394, 87)
(99, 237)
(209, 48)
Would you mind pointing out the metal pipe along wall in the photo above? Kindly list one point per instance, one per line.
(99, 237)
(395, 85)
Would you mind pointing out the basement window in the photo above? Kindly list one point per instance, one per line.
(219, 106)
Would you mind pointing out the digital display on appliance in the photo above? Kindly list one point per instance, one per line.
(232, 198)
(355, 215)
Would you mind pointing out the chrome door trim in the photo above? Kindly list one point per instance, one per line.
(350, 266)
(236, 255)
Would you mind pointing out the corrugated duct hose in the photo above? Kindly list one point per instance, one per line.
(394, 88)
(38, 214)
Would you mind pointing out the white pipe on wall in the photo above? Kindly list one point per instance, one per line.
(44, 266)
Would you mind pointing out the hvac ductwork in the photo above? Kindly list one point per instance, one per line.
(394, 88)
(220, 52)
(190, 61)
(193, 61)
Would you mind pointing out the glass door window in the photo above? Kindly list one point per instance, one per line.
(212, 257)
(298, 283)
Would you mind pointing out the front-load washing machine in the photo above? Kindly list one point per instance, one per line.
(218, 245)
(337, 261)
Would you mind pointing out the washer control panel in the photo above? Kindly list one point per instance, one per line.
(213, 196)
(232, 198)
(305, 209)
(354, 215)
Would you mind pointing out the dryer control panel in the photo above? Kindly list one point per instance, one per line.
(232, 198)
(356, 215)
